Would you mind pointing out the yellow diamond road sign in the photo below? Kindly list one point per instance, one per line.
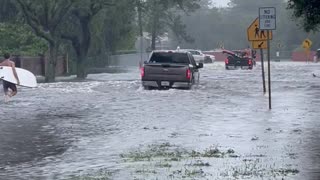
(307, 43)
(255, 34)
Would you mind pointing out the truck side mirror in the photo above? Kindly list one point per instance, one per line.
(200, 65)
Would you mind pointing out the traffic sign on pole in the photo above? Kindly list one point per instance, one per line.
(267, 18)
(256, 34)
(259, 44)
(306, 44)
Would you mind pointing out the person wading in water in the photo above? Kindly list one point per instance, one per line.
(9, 88)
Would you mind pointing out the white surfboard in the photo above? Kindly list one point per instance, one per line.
(26, 78)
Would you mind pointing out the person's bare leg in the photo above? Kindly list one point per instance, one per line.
(6, 97)
(13, 93)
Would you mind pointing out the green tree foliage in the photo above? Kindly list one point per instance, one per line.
(91, 27)
(18, 39)
(77, 29)
(161, 16)
(8, 10)
(96, 27)
(45, 17)
(120, 26)
(308, 11)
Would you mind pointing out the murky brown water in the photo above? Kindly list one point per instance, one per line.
(69, 129)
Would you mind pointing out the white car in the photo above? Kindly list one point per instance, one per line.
(209, 58)
(198, 56)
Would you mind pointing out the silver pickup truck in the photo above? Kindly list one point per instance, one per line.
(170, 69)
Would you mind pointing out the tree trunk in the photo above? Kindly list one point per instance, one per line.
(140, 18)
(83, 48)
(51, 63)
(141, 49)
(153, 40)
(154, 32)
(155, 22)
(81, 67)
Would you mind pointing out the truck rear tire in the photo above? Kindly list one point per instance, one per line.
(146, 87)
(188, 87)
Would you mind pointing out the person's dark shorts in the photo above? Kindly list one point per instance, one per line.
(7, 85)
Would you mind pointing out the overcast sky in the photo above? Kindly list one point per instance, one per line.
(220, 3)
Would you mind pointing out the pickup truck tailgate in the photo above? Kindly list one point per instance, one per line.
(238, 61)
(165, 72)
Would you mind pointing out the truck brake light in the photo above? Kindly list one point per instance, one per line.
(188, 74)
(227, 61)
(142, 71)
(249, 61)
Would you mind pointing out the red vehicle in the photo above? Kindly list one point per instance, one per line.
(238, 59)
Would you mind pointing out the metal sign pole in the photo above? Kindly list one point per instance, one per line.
(269, 71)
(308, 56)
(267, 21)
(263, 74)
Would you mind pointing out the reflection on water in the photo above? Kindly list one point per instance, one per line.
(72, 128)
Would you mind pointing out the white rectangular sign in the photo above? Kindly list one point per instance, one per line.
(267, 18)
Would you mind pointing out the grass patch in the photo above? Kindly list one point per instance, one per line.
(213, 152)
(173, 162)
(171, 152)
(194, 172)
(163, 165)
(99, 175)
(173, 159)
(146, 171)
(200, 163)
(252, 168)
(286, 172)
(187, 173)
(164, 150)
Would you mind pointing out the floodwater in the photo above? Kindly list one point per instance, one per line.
(74, 130)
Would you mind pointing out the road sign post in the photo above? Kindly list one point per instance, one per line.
(269, 74)
(258, 39)
(263, 74)
(267, 22)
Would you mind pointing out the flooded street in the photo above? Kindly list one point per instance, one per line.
(109, 126)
